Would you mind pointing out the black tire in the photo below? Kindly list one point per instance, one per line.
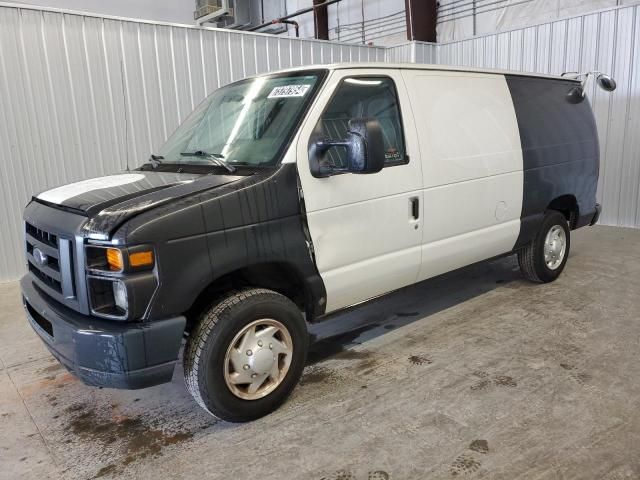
(208, 343)
(531, 258)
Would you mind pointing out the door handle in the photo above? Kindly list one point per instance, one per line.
(415, 207)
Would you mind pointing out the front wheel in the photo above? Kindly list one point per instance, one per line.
(545, 257)
(246, 355)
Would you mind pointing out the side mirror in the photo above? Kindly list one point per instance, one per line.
(364, 146)
(605, 82)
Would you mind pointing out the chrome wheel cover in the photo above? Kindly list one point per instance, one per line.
(555, 247)
(258, 359)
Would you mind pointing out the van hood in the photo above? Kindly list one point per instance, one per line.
(111, 200)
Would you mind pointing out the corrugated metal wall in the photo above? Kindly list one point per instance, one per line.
(413, 52)
(608, 41)
(68, 81)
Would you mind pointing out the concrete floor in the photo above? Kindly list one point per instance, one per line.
(476, 374)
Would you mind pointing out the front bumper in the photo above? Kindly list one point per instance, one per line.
(105, 353)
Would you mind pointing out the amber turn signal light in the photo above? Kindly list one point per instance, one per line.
(114, 260)
(141, 259)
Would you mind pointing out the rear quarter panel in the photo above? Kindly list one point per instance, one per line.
(559, 147)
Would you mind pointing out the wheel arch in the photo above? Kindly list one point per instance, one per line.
(280, 276)
(567, 205)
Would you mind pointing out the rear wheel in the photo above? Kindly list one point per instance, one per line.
(246, 355)
(546, 256)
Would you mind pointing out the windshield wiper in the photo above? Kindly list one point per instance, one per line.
(155, 160)
(214, 158)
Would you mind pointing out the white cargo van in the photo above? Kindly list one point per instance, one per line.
(289, 196)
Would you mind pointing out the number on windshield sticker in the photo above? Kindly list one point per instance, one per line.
(289, 91)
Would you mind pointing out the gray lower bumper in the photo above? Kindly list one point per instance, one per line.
(105, 353)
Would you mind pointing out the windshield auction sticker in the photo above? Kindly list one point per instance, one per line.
(289, 91)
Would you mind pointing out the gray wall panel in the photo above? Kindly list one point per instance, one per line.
(68, 80)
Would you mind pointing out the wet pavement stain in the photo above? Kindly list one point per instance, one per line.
(132, 437)
(481, 385)
(464, 464)
(486, 381)
(379, 475)
(366, 366)
(60, 380)
(323, 349)
(480, 446)
(340, 475)
(318, 374)
(420, 360)
(56, 367)
(354, 355)
(580, 377)
(505, 381)
(347, 475)
(108, 470)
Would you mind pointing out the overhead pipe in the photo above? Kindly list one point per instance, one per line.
(290, 22)
(453, 18)
(501, 3)
(294, 14)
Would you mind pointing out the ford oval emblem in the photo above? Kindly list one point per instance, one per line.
(40, 257)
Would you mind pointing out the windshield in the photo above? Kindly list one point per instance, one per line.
(246, 123)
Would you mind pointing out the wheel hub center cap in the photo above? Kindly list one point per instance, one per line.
(262, 361)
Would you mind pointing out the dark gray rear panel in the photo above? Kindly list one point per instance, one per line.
(559, 148)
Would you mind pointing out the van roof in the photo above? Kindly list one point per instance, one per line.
(421, 66)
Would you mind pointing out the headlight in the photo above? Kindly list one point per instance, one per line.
(120, 280)
(120, 295)
(115, 262)
(108, 297)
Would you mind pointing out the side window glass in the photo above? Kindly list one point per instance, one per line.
(360, 97)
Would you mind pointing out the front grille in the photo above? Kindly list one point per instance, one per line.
(50, 261)
(45, 237)
(46, 279)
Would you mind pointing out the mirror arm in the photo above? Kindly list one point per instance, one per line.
(584, 77)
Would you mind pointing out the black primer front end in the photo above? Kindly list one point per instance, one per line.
(198, 226)
(203, 229)
(101, 352)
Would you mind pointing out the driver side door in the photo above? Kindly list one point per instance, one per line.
(366, 228)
